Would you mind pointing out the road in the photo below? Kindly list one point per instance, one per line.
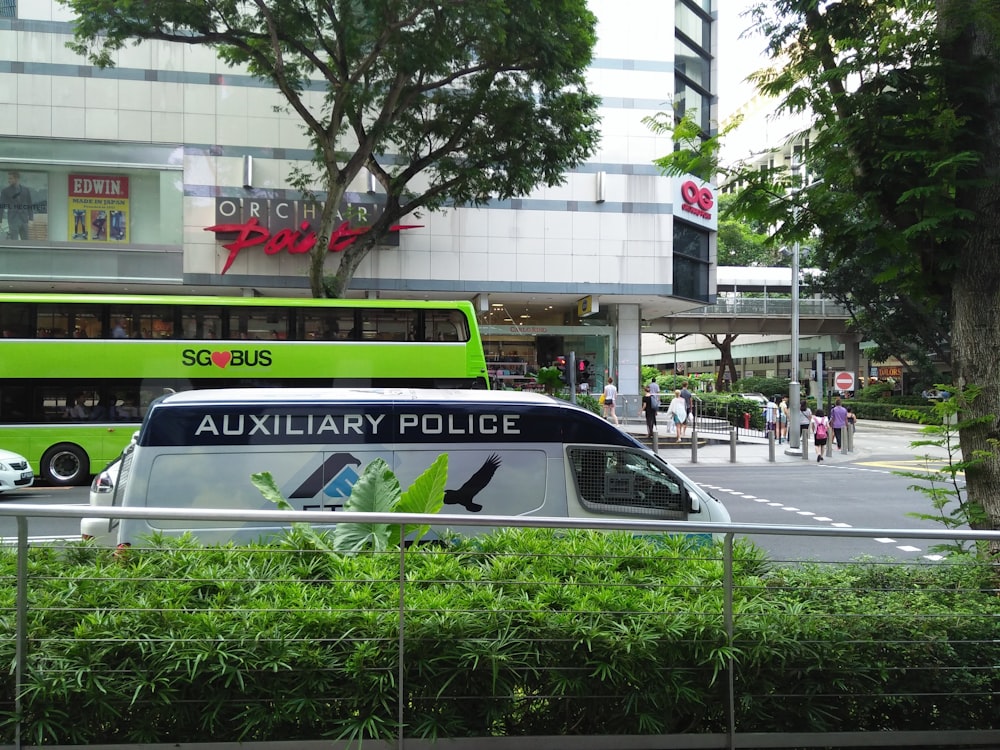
(44, 529)
(856, 490)
(865, 494)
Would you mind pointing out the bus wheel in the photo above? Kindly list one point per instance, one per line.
(65, 464)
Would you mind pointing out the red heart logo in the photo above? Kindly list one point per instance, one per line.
(221, 359)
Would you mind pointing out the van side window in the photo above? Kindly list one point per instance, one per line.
(617, 480)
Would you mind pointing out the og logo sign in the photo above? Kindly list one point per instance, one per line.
(697, 200)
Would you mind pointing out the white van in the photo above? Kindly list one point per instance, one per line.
(509, 453)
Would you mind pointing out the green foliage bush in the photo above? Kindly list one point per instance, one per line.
(768, 386)
(886, 410)
(519, 632)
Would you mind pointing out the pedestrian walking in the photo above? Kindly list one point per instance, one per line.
(649, 409)
(678, 414)
(838, 421)
(610, 394)
(821, 433)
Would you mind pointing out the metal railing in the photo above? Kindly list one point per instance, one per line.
(770, 307)
(722, 625)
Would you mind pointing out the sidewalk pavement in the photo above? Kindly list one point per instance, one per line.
(716, 448)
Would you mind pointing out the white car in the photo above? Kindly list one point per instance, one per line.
(102, 492)
(15, 472)
(102, 495)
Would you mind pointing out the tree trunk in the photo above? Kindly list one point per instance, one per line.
(725, 347)
(968, 42)
(337, 284)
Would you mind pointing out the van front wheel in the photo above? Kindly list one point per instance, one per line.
(65, 465)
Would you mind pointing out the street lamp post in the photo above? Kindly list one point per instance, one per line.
(794, 390)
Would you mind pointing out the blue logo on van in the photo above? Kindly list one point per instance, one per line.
(334, 477)
(342, 484)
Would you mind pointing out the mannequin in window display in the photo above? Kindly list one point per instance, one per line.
(15, 204)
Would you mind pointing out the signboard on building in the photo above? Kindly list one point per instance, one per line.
(587, 306)
(98, 208)
(890, 371)
(695, 202)
(290, 225)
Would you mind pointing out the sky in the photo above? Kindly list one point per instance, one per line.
(740, 55)
(737, 57)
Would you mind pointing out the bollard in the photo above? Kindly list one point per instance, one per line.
(656, 440)
(694, 443)
(804, 442)
(770, 446)
(829, 442)
(849, 438)
(732, 445)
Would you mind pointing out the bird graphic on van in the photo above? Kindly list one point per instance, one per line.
(464, 495)
(336, 476)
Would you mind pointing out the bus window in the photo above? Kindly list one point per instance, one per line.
(15, 403)
(201, 323)
(15, 321)
(70, 321)
(446, 325)
(258, 323)
(320, 325)
(390, 325)
(140, 322)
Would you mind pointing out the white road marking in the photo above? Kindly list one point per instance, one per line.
(885, 540)
(908, 548)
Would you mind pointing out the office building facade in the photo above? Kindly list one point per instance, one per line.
(127, 167)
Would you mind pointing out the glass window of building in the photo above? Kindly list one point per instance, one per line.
(693, 23)
(691, 262)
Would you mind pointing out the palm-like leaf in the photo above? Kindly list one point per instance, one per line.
(267, 487)
(376, 491)
(425, 495)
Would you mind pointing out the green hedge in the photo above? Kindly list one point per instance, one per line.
(885, 410)
(517, 633)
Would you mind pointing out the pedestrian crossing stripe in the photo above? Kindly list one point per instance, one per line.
(910, 465)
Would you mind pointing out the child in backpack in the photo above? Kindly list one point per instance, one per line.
(821, 433)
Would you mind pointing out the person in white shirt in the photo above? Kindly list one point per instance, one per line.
(678, 414)
(610, 394)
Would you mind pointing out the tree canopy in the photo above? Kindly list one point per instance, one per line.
(906, 100)
(444, 102)
(900, 184)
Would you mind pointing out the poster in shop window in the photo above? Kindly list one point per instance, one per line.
(24, 205)
(98, 208)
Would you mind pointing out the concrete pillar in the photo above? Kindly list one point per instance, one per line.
(628, 359)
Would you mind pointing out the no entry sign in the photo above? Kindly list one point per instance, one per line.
(844, 381)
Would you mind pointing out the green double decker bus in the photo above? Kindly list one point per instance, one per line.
(78, 371)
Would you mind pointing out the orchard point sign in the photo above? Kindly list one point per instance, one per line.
(287, 225)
